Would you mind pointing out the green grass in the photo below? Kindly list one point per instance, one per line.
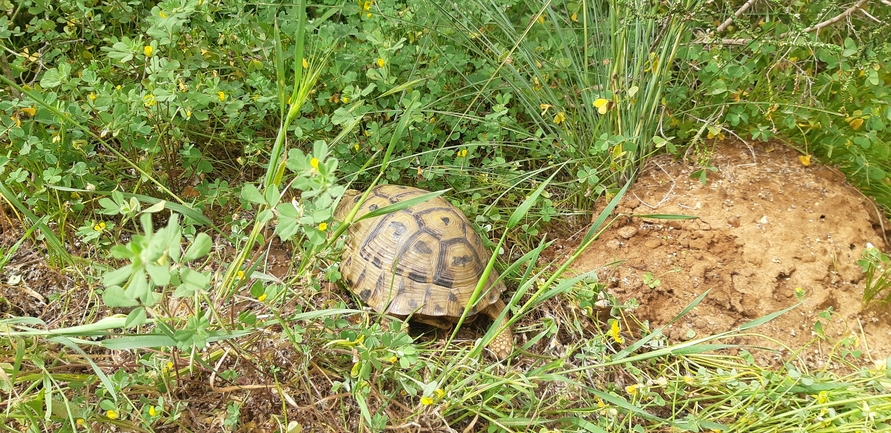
(183, 195)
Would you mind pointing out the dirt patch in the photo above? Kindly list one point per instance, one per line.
(767, 225)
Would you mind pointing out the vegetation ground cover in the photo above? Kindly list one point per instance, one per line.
(170, 171)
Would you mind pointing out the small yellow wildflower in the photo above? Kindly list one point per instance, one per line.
(262, 298)
(167, 367)
(632, 389)
(111, 414)
(80, 421)
(559, 118)
(805, 161)
(439, 393)
(152, 411)
(544, 107)
(602, 105)
(381, 63)
(99, 227)
(688, 379)
(239, 274)
(323, 226)
(615, 332)
(162, 14)
(799, 292)
(368, 15)
(148, 50)
(462, 153)
(221, 96)
(367, 5)
(149, 100)
(118, 87)
(823, 397)
(426, 401)
(356, 147)
(393, 359)
(856, 123)
(540, 19)
(345, 99)
(305, 64)
(600, 403)
(92, 96)
(314, 163)
(188, 114)
(574, 17)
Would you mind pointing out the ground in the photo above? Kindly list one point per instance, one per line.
(767, 226)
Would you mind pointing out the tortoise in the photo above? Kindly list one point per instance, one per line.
(423, 261)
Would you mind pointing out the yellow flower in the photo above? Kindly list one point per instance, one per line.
(601, 105)
(80, 421)
(356, 147)
(367, 5)
(167, 367)
(856, 123)
(439, 393)
(222, 96)
(239, 274)
(149, 100)
(823, 397)
(31, 111)
(615, 332)
(574, 17)
(262, 298)
(540, 19)
(323, 226)
(99, 227)
(632, 389)
(152, 411)
(314, 163)
(345, 100)
(188, 114)
(148, 50)
(426, 401)
(381, 63)
(600, 403)
(688, 379)
(92, 96)
(393, 359)
(544, 107)
(368, 15)
(162, 14)
(305, 64)
(559, 118)
(462, 153)
(111, 414)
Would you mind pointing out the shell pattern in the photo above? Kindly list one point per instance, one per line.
(424, 260)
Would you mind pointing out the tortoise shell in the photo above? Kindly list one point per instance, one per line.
(424, 260)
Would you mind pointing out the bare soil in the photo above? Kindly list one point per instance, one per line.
(767, 225)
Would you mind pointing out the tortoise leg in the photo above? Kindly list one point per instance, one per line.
(503, 343)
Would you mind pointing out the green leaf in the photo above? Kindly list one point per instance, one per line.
(52, 78)
(527, 204)
(115, 296)
(160, 274)
(135, 318)
(193, 281)
(117, 276)
(250, 193)
(199, 248)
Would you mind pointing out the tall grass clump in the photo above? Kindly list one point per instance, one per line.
(587, 78)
